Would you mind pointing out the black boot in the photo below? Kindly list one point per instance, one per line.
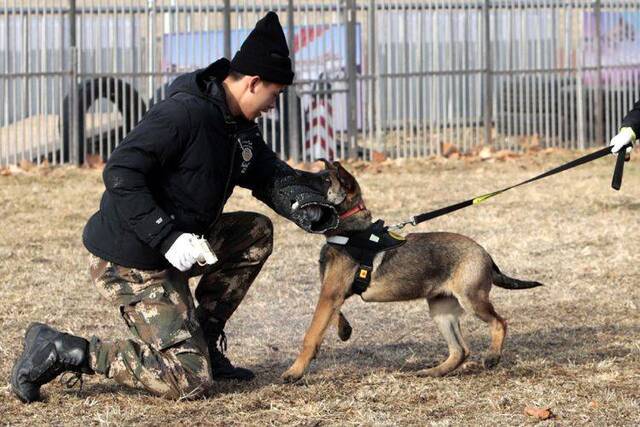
(47, 353)
(221, 366)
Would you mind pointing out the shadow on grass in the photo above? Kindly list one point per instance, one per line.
(573, 346)
(561, 347)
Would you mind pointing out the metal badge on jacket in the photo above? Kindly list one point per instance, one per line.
(246, 147)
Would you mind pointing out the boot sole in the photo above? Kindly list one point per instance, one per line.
(29, 338)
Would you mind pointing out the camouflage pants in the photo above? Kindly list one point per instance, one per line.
(168, 355)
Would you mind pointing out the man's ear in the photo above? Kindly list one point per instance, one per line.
(253, 83)
(346, 179)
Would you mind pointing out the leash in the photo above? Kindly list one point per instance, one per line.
(616, 183)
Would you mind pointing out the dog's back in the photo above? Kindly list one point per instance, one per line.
(428, 265)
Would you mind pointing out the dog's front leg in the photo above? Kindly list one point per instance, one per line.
(331, 299)
(343, 326)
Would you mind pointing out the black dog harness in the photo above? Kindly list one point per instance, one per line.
(363, 246)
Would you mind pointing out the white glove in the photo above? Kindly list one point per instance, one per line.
(625, 136)
(184, 252)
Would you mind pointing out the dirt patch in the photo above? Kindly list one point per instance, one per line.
(573, 345)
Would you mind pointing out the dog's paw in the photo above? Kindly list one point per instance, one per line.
(291, 376)
(470, 366)
(491, 361)
(432, 372)
(344, 332)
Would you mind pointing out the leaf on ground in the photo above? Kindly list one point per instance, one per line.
(539, 413)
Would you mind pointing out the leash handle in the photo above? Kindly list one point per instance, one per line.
(616, 182)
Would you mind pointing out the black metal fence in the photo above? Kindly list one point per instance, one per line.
(397, 77)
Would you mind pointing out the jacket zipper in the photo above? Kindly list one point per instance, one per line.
(226, 186)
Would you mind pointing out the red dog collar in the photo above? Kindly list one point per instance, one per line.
(358, 208)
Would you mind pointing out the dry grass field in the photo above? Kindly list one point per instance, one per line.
(573, 345)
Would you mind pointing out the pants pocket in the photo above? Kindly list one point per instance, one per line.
(159, 317)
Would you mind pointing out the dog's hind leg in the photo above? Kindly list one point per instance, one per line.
(445, 312)
(480, 305)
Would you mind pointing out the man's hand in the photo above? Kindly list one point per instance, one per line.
(624, 137)
(302, 198)
(184, 252)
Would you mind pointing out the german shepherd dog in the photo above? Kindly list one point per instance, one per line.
(453, 273)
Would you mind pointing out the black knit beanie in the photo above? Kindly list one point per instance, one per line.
(265, 53)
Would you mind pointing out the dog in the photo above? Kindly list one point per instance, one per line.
(451, 271)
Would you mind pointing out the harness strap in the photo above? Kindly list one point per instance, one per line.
(338, 240)
(362, 279)
(363, 246)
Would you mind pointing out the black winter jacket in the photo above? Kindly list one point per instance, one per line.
(174, 172)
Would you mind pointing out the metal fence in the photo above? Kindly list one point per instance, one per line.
(397, 77)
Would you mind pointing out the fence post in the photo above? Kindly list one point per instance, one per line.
(374, 72)
(74, 150)
(293, 116)
(227, 29)
(352, 90)
(580, 112)
(151, 45)
(488, 76)
(598, 101)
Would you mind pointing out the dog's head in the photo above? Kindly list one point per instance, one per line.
(345, 194)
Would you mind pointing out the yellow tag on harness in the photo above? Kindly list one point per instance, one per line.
(363, 273)
(396, 235)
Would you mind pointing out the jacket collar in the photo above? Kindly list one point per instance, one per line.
(207, 83)
(209, 80)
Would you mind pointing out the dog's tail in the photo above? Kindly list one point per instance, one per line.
(507, 282)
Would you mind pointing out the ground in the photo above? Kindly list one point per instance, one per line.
(573, 345)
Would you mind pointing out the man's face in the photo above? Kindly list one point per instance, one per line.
(260, 97)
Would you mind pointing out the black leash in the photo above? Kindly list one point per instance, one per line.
(616, 183)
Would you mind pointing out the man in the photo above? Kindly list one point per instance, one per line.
(629, 130)
(166, 185)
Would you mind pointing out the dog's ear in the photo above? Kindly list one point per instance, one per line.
(346, 179)
(327, 164)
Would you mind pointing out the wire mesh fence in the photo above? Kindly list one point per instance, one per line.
(397, 77)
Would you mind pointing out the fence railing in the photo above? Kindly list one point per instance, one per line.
(397, 77)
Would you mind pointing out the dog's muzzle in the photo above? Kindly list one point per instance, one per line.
(292, 195)
(307, 218)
